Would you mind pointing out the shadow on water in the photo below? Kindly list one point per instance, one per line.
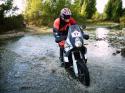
(34, 66)
(4, 42)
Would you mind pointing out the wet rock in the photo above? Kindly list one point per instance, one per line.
(100, 39)
(42, 58)
(95, 45)
(123, 52)
(114, 54)
(118, 51)
(122, 42)
(123, 29)
(26, 87)
(53, 71)
(17, 75)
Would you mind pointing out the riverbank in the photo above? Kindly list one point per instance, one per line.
(108, 24)
(116, 37)
(32, 30)
(117, 40)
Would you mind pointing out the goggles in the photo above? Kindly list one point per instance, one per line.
(67, 17)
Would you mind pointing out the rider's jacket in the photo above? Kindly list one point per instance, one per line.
(60, 28)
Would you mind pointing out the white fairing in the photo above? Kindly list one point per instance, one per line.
(68, 46)
(66, 59)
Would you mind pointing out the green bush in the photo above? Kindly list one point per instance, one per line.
(122, 20)
(13, 22)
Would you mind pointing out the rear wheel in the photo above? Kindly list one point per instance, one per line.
(83, 73)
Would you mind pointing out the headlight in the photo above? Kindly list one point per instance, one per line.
(78, 43)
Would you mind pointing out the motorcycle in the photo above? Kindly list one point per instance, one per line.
(75, 48)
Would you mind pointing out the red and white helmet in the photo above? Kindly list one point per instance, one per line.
(65, 13)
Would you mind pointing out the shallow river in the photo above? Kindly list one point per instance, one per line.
(30, 64)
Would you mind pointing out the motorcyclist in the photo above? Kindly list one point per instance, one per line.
(60, 30)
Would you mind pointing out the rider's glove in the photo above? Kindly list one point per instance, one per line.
(86, 36)
(60, 38)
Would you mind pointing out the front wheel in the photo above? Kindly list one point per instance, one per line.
(83, 73)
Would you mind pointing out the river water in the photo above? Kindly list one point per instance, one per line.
(30, 64)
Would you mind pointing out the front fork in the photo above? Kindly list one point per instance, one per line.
(74, 59)
(75, 65)
(76, 55)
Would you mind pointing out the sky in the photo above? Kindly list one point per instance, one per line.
(20, 4)
(99, 5)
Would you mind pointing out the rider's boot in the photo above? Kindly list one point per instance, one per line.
(61, 57)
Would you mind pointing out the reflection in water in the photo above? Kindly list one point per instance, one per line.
(102, 49)
(101, 46)
(101, 33)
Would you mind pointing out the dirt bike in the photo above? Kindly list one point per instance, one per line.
(74, 46)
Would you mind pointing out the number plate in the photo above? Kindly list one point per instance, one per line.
(76, 34)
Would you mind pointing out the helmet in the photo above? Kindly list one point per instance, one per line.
(65, 13)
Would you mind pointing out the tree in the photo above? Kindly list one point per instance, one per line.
(88, 8)
(117, 10)
(76, 7)
(97, 16)
(44, 11)
(108, 10)
(79, 2)
(11, 21)
(5, 7)
(33, 9)
(123, 12)
(113, 10)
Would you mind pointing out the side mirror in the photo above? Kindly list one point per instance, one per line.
(82, 27)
